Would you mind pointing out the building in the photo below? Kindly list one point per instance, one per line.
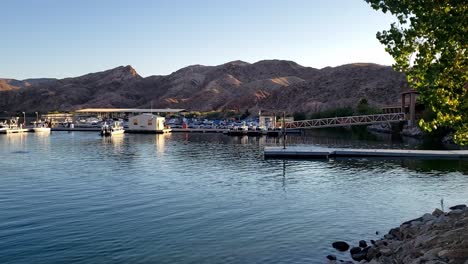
(147, 123)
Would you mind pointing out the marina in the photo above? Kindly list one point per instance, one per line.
(313, 152)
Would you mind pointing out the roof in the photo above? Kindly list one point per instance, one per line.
(128, 110)
(410, 91)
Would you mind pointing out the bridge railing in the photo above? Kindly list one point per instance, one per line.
(347, 121)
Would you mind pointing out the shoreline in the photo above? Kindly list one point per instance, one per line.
(437, 238)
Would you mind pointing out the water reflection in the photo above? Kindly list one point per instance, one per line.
(160, 142)
(16, 142)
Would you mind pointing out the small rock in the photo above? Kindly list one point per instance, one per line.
(437, 212)
(389, 236)
(372, 242)
(363, 243)
(355, 250)
(331, 257)
(459, 206)
(340, 245)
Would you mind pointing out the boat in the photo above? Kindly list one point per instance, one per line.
(41, 127)
(115, 128)
(13, 126)
(4, 126)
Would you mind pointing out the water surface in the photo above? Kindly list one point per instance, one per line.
(200, 198)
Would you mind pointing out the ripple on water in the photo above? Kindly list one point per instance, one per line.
(205, 198)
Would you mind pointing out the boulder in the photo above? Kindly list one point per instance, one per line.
(359, 256)
(340, 245)
(331, 257)
(437, 212)
(459, 206)
(363, 243)
(355, 250)
(412, 221)
(427, 217)
(395, 233)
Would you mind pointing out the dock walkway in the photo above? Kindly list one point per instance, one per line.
(325, 153)
(16, 130)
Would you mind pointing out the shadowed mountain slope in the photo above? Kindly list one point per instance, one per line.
(269, 84)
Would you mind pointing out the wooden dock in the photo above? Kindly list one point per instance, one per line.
(19, 130)
(199, 130)
(310, 152)
(76, 129)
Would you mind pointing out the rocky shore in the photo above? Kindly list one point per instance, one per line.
(437, 238)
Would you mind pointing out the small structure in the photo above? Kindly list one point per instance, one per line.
(267, 121)
(411, 107)
(147, 123)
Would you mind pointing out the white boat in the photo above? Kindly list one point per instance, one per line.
(115, 128)
(4, 126)
(41, 127)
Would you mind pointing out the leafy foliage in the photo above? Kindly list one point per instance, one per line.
(430, 45)
(363, 108)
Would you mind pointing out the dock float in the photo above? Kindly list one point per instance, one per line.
(304, 152)
(199, 130)
(13, 131)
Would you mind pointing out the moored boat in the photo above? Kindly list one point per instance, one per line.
(115, 128)
(41, 127)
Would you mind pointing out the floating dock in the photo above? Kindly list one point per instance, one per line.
(274, 133)
(76, 129)
(303, 152)
(199, 130)
(19, 130)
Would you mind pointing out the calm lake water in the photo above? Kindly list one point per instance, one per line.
(201, 198)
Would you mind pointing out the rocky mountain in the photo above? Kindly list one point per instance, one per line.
(270, 85)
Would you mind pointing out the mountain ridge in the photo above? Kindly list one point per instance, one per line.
(237, 85)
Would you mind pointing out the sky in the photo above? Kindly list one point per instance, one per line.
(57, 38)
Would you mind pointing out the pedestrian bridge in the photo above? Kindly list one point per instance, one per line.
(346, 121)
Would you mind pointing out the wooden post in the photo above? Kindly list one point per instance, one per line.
(412, 109)
(403, 97)
(284, 130)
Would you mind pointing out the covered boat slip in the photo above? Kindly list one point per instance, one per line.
(124, 112)
(310, 152)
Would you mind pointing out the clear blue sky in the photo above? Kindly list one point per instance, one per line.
(61, 38)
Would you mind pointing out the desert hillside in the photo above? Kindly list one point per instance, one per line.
(269, 84)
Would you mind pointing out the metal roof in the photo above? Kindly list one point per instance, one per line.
(128, 110)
